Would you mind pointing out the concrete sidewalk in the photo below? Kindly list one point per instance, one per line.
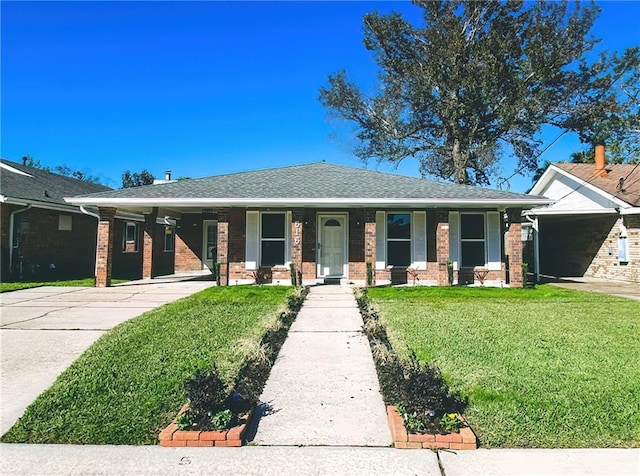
(54, 460)
(43, 330)
(323, 388)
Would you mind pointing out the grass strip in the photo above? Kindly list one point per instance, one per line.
(129, 384)
(543, 368)
(88, 282)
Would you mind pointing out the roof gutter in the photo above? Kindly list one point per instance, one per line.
(11, 232)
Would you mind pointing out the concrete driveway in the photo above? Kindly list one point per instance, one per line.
(43, 330)
(614, 288)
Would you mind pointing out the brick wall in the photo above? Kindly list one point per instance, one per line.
(309, 240)
(41, 244)
(514, 247)
(442, 246)
(568, 245)
(223, 246)
(605, 263)
(357, 247)
(104, 265)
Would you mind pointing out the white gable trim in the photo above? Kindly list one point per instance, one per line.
(549, 176)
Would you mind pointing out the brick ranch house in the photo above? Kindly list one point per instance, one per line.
(329, 221)
(592, 228)
(45, 237)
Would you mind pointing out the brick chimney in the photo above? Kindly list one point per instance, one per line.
(601, 163)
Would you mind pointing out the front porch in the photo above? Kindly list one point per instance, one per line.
(266, 245)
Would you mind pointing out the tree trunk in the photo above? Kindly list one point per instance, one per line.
(459, 164)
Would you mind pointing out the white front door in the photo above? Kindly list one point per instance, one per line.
(209, 244)
(332, 245)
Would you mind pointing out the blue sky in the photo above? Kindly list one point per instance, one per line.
(200, 88)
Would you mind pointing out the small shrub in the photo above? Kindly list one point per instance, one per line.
(294, 275)
(450, 423)
(417, 389)
(525, 274)
(450, 272)
(221, 420)
(370, 273)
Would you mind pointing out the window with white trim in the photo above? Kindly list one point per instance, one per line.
(273, 237)
(130, 237)
(472, 240)
(398, 239)
(169, 238)
(623, 250)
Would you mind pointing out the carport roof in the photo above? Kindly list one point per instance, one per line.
(314, 184)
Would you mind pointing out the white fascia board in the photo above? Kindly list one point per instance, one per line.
(630, 211)
(552, 212)
(308, 202)
(44, 205)
(544, 181)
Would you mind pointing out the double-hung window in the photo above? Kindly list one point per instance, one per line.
(472, 240)
(398, 239)
(273, 239)
(169, 238)
(130, 237)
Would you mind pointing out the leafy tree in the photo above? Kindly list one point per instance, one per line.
(76, 174)
(624, 151)
(61, 170)
(31, 162)
(136, 179)
(481, 78)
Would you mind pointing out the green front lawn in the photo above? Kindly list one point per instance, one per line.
(543, 367)
(89, 282)
(129, 384)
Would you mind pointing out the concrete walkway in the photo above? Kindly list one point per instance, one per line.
(323, 388)
(43, 330)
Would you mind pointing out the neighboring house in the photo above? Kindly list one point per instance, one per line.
(328, 221)
(592, 228)
(44, 237)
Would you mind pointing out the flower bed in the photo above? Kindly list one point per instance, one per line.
(465, 440)
(173, 436)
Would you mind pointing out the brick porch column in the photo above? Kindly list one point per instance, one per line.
(148, 242)
(104, 256)
(370, 241)
(223, 245)
(442, 246)
(514, 247)
(297, 219)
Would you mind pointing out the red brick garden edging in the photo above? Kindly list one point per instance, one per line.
(465, 440)
(172, 436)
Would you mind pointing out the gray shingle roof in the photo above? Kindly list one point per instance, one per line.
(41, 185)
(317, 180)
